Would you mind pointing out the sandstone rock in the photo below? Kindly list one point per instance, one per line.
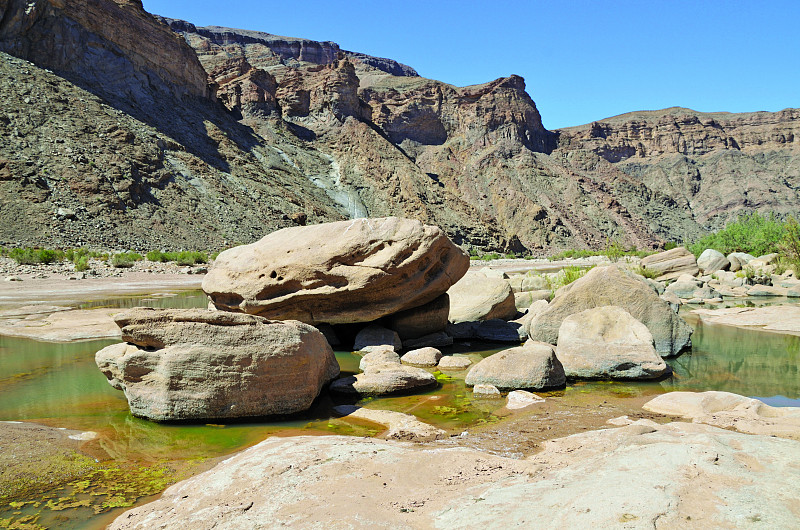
(712, 261)
(498, 330)
(673, 300)
(531, 366)
(349, 271)
(672, 474)
(374, 335)
(524, 300)
(729, 411)
(658, 287)
(764, 261)
(400, 426)
(379, 356)
(63, 326)
(434, 340)
(384, 379)
(423, 320)
(671, 263)
(611, 286)
(520, 399)
(739, 260)
(687, 290)
(454, 362)
(793, 292)
(766, 290)
(187, 364)
(521, 283)
(525, 320)
(485, 391)
(476, 297)
(422, 357)
(607, 342)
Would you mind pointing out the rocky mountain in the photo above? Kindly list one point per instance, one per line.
(124, 129)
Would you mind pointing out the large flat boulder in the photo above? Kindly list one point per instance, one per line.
(671, 264)
(607, 342)
(610, 285)
(729, 411)
(349, 271)
(531, 366)
(477, 297)
(642, 475)
(192, 364)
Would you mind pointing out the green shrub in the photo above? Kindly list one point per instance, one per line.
(669, 245)
(790, 245)
(566, 276)
(647, 273)
(81, 263)
(32, 256)
(182, 258)
(125, 259)
(751, 233)
(191, 258)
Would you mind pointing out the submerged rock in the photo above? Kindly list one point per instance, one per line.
(400, 426)
(607, 342)
(604, 286)
(349, 271)
(533, 365)
(191, 364)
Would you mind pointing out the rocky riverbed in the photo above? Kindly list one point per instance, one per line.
(481, 424)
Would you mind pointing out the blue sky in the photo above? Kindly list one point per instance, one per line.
(582, 60)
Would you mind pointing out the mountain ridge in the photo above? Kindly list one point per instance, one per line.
(282, 133)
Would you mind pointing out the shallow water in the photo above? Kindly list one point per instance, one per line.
(59, 385)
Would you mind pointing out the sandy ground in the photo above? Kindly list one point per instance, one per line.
(61, 291)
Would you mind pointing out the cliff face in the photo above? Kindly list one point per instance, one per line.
(714, 166)
(200, 137)
(114, 46)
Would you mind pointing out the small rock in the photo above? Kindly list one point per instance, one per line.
(13, 279)
(486, 390)
(374, 335)
(378, 356)
(422, 357)
(533, 365)
(519, 399)
(454, 362)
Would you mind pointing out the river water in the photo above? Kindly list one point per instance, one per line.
(58, 384)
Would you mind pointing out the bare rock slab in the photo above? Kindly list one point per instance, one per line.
(349, 271)
(642, 475)
(533, 366)
(777, 319)
(607, 342)
(729, 411)
(604, 286)
(191, 364)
